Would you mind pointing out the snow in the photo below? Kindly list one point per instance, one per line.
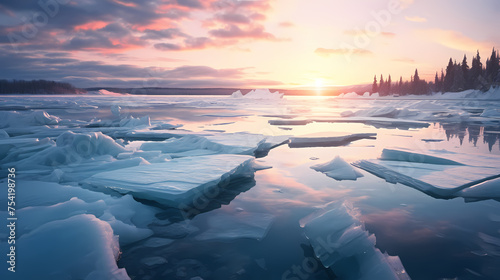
(226, 227)
(338, 169)
(178, 182)
(258, 94)
(486, 190)
(105, 92)
(301, 142)
(341, 243)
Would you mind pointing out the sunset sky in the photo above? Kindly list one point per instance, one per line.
(229, 43)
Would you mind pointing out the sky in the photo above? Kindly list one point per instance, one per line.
(239, 44)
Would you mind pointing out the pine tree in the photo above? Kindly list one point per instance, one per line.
(388, 87)
(381, 85)
(437, 86)
(475, 72)
(374, 86)
(465, 72)
(450, 76)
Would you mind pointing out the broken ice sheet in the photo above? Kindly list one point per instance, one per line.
(341, 242)
(176, 182)
(437, 176)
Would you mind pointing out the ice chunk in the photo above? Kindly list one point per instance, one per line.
(82, 246)
(115, 110)
(258, 94)
(290, 122)
(301, 142)
(155, 242)
(489, 189)
(33, 118)
(178, 182)
(3, 134)
(338, 169)
(225, 226)
(396, 155)
(154, 261)
(491, 113)
(227, 143)
(341, 243)
(435, 176)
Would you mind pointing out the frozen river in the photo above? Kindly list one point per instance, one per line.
(217, 187)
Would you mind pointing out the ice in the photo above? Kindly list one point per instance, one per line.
(33, 118)
(226, 227)
(228, 143)
(3, 134)
(80, 247)
(436, 176)
(155, 242)
(485, 190)
(378, 122)
(258, 94)
(341, 243)
(290, 122)
(338, 169)
(301, 142)
(491, 113)
(395, 155)
(128, 121)
(154, 261)
(178, 182)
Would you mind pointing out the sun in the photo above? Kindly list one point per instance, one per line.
(319, 83)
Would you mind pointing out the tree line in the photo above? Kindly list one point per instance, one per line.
(37, 87)
(457, 77)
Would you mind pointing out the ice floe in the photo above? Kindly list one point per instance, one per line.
(302, 142)
(341, 242)
(437, 176)
(178, 182)
(338, 169)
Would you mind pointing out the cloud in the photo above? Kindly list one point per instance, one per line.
(234, 31)
(188, 44)
(328, 52)
(404, 60)
(454, 40)
(286, 24)
(57, 66)
(415, 19)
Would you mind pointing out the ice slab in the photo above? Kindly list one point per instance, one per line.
(338, 169)
(378, 122)
(82, 246)
(302, 142)
(433, 175)
(178, 182)
(396, 155)
(489, 189)
(229, 226)
(227, 143)
(341, 243)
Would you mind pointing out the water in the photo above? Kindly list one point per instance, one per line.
(434, 238)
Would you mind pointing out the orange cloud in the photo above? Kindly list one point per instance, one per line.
(93, 25)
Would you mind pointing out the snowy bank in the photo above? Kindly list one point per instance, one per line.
(258, 94)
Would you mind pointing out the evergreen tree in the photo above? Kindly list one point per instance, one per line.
(492, 67)
(475, 72)
(450, 76)
(388, 87)
(465, 71)
(436, 83)
(381, 85)
(374, 86)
